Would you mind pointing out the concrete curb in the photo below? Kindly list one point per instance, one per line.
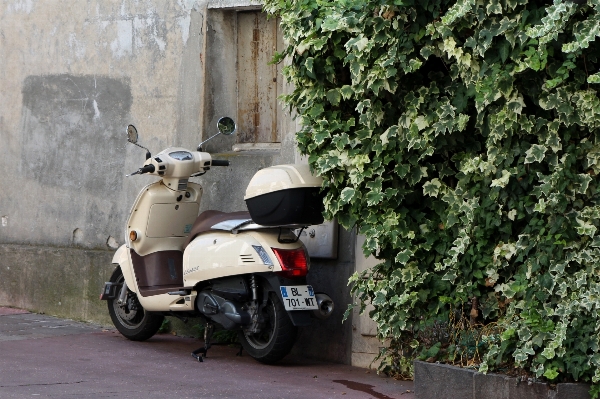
(435, 380)
(10, 311)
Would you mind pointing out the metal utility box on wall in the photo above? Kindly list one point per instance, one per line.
(321, 240)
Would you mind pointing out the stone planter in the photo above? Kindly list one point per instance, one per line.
(441, 381)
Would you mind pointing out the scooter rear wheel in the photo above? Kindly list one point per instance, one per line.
(131, 319)
(276, 338)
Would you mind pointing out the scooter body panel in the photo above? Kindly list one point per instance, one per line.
(210, 256)
(160, 221)
(221, 254)
(166, 302)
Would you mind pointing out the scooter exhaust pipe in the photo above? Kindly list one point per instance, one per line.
(325, 304)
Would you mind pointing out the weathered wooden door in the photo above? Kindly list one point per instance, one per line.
(258, 87)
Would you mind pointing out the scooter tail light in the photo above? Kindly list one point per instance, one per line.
(294, 262)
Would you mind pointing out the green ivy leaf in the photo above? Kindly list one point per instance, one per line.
(535, 153)
(359, 42)
(334, 96)
(374, 197)
(586, 228)
(309, 64)
(551, 374)
(502, 181)
(595, 78)
(403, 257)
(504, 49)
(346, 91)
(432, 187)
(346, 195)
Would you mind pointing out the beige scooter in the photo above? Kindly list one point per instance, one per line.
(244, 270)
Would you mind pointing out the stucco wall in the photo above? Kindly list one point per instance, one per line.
(72, 76)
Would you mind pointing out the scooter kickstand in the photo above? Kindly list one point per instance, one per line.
(196, 356)
(199, 353)
(240, 351)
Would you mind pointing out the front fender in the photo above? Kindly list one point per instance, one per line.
(123, 259)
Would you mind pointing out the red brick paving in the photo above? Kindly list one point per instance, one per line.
(98, 363)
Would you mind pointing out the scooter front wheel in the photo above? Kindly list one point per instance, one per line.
(276, 337)
(130, 318)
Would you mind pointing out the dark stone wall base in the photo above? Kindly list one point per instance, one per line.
(437, 381)
(63, 282)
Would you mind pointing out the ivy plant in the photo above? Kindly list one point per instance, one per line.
(461, 137)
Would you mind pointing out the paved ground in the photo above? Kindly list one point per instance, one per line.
(46, 357)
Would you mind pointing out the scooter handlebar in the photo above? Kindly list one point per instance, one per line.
(147, 169)
(219, 162)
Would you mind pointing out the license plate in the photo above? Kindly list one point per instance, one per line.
(298, 297)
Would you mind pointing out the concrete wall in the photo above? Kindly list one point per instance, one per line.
(71, 80)
(72, 76)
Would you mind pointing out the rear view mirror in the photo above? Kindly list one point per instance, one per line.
(132, 137)
(226, 126)
(132, 134)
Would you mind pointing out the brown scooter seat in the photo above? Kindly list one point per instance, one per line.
(207, 219)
